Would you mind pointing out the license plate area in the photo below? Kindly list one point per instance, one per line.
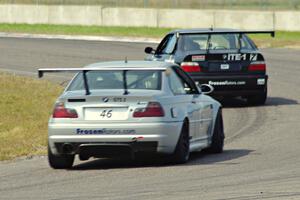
(106, 113)
(224, 67)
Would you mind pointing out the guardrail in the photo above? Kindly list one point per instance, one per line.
(173, 18)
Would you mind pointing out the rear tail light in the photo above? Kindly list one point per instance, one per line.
(61, 112)
(257, 66)
(153, 109)
(191, 67)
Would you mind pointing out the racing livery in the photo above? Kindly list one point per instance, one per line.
(227, 59)
(123, 108)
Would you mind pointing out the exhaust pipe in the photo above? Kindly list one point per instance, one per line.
(67, 148)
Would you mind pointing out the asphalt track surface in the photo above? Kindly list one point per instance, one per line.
(261, 158)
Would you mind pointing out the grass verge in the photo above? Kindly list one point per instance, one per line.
(282, 39)
(25, 106)
(85, 30)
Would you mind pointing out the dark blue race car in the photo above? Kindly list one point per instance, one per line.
(227, 59)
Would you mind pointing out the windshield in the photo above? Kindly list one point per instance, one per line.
(147, 80)
(194, 42)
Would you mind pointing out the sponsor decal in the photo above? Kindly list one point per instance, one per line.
(236, 56)
(253, 57)
(227, 82)
(135, 139)
(198, 58)
(239, 57)
(103, 131)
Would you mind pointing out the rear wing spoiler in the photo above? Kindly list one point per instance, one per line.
(272, 33)
(84, 70)
(42, 71)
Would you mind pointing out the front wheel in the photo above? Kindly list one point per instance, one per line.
(217, 140)
(63, 161)
(182, 151)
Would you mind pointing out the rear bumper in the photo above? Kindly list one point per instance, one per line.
(236, 93)
(114, 149)
(149, 137)
(235, 85)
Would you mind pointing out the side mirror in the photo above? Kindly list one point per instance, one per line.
(149, 50)
(206, 88)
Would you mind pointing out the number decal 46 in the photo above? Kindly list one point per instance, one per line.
(106, 114)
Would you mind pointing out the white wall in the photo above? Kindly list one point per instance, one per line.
(185, 18)
(287, 20)
(173, 18)
(129, 17)
(23, 14)
(80, 15)
(248, 20)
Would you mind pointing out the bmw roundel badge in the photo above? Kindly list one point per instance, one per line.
(105, 99)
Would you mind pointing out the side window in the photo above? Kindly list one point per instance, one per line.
(189, 84)
(77, 83)
(178, 86)
(167, 45)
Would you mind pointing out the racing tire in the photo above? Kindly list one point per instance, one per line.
(182, 150)
(257, 99)
(62, 161)
(217, 140)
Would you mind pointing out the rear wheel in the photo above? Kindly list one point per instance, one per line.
(182, 151)
(218, 136)
(259, 99)
(63, 161)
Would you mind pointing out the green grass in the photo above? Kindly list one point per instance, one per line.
(25, 105)
(84, 30)
(282, 39)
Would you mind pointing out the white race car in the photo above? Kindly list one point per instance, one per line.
(117, 108)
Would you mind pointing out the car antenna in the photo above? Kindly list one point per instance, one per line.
(126, 61)
(212, 27)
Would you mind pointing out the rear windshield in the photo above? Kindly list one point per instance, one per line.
(147, 80)
(194, 42)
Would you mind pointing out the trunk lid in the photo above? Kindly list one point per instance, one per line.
(113, 106)
(225, 63)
